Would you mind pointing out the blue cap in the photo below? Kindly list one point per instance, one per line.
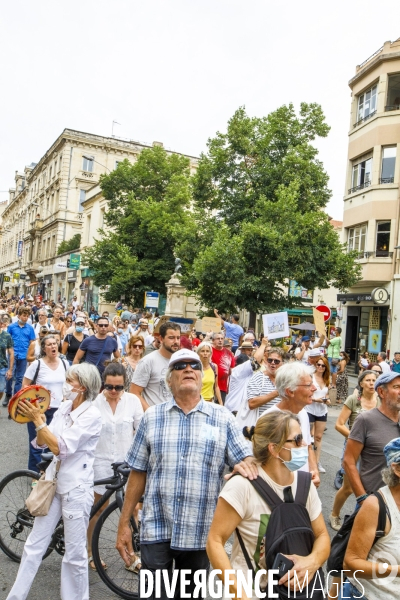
(392, 451)
(305, 338)
(386, 378)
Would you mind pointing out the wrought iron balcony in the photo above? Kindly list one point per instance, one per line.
(386, 180)
(359, 187)
(376, 254)
(365, 118)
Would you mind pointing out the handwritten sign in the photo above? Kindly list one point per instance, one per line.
(319, 321)
(210, 324)
(276, 325)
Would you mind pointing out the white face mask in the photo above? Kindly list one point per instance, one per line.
(69, 392)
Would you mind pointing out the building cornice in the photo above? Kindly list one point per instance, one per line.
(372, 65)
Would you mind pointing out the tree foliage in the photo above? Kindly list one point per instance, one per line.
(147, 214)
(259, 194)
(70, 245)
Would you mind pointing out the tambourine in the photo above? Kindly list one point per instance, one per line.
(34, 393)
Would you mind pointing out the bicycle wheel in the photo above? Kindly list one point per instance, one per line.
(116, 577)
(16, 521)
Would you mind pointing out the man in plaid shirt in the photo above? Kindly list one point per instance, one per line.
(177, 460)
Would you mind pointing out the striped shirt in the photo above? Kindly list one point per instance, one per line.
(260, 385)
(184, 456)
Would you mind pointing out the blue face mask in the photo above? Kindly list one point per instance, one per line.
(120, 330)
(299, 458)
(79, 328)
(21, 322)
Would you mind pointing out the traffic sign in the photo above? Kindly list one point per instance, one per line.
(325, 310)
(151, 299)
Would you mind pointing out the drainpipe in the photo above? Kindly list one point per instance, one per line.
(66, 199)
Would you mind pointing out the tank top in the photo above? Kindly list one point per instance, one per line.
(73, 345)
(387, 549)
(207, 390)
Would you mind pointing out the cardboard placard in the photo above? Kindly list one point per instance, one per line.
(276, 325)
(210, 324)
(319, 321)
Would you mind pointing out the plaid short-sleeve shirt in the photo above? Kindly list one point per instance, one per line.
(184, 457)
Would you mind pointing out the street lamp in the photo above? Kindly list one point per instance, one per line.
(96, 161)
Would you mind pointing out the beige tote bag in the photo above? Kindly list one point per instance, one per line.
(39, 500)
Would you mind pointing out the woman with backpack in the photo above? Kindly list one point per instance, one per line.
(265, 511)
(49, 371)
(210, 390)
(377, 561)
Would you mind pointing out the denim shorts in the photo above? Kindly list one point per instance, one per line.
(333, 368)
(3, 380)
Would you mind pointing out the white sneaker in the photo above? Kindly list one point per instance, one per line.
(336, 522)
(321, 468)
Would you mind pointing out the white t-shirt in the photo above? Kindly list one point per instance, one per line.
(384, 366)
(150, 375)
(305, 355)
(305, 429)
(240, 376)
(316, 408)
(117, 433)
(53, 380)
(255, 514)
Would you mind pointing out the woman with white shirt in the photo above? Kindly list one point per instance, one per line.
(49, 371)
(72, 437)
(318, 410)
(121, 414)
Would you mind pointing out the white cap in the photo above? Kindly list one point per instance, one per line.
(184, 355)
(314, 352)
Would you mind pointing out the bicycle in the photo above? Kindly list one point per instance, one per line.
(16, 523)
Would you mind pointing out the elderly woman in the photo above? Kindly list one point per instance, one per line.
(209, 390)
(121, 414)
(279, 450)
(49, 370)
(377, 565)
(72, 437)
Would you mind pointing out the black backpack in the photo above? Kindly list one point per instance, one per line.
(289, 532)
(341, 539)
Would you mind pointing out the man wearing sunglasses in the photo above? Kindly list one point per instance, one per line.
(97, 348)
(294, 384)
(178, 456)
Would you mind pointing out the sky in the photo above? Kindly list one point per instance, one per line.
(175, 71)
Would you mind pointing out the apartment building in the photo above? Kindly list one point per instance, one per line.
(46, 207)
(370, 310)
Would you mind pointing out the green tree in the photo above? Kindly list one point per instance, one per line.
(261, 190)
(70, 245)
(147, 215)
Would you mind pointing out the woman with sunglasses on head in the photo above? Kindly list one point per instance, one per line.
(363, 398)
(279, 451)
(261, 391)
(376, 368)
(134, 353)
(121, 414)
(318, 410)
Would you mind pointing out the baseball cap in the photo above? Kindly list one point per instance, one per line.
(183, 355)
(305, 338)
(385, 378)
(314, 352)
(79, 321)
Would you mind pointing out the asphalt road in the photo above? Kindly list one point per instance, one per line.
(13, 455)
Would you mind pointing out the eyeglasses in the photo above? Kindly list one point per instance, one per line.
(117, 388)
(274, 361)
(100, 325)
(180, 366)
(298, 439)
(137, 346)
(320, 365)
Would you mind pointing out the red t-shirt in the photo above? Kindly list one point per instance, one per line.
(225, 361)
(196, 342)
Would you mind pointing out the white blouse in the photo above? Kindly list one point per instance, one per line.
(117, 432)
(318, 409)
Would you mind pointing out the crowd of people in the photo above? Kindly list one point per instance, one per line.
(183, 407)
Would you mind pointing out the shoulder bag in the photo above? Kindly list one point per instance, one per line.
(39, 500)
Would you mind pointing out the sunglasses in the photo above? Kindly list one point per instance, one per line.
(68, 320)
(298, 439)
(100, 325)
(137, 346)
(274, 361)
(320, 365)
(180, 366)
(117, 388)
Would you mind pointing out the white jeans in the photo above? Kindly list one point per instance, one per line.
(75, 509)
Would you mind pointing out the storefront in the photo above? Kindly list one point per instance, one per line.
(72, 279)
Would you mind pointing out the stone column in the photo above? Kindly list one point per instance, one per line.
(176, 299)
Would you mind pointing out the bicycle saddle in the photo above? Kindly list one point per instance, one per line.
(47, 456)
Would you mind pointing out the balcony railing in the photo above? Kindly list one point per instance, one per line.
(359, 187)
(392, 107)
(376, 254)
(365, 118)
(386, 180)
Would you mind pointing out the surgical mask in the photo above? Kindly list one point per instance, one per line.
(79, 328)
(120, 330)
(21, 322)
(298, 459)
(68, 392)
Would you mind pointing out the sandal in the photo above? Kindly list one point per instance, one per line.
(134, 568)
(93, 566)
